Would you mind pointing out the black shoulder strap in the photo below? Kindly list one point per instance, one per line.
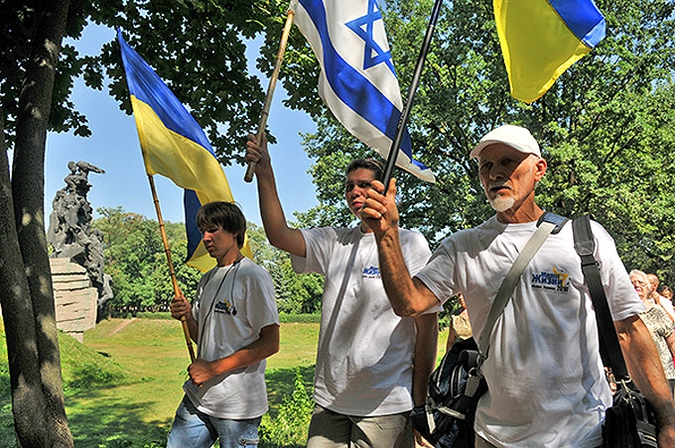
(610, 349)
(551, 217)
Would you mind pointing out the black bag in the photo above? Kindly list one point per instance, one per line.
(446, 418)
(630, 422)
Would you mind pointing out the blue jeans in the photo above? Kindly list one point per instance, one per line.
(194, 429)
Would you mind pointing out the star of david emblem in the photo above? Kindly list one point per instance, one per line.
(363, 27)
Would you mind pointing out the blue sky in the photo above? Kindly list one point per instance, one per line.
(114, 147)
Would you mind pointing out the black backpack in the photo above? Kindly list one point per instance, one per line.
(446, 418)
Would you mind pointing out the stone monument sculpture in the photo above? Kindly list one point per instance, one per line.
(70, 232)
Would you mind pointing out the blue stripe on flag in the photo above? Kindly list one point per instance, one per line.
(194, 236)
(142, 80)
(354, 89)
(583, 18)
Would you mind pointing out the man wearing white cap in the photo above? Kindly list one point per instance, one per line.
(546, 382)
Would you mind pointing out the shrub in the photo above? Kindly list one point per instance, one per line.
(290, 427)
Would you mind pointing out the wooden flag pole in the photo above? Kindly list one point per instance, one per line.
(172, 272)
(403, 120)
(248, 177)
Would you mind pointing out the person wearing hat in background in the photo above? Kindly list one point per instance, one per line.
(547, 386)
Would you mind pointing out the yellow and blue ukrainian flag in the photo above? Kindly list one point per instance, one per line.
(540, 39)
(175, 146)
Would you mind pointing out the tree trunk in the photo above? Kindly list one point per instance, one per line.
(37, 389)
(28, 402)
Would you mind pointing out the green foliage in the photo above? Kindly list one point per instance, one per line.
(182, 40)
(7, 437)
(136, 260)
(296, 294)
(300, 318)
(449, 308)
(289, 428)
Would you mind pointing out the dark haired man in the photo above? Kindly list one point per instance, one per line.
(235, 323)
(364, 368)
(546, 382)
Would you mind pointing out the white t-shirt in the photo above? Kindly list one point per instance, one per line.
(667, 305)
(545, 376)
(365, 354)
(245, 304)
(661, 327)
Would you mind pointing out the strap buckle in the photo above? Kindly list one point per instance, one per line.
(557, 220)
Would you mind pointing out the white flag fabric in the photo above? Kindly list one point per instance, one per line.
(358, 81)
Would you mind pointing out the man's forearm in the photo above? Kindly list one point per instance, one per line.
(395, 277)
(426, 346)
(644, 366)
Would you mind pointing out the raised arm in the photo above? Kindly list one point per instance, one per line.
(408, 296)
(645, 368)
(271, 212)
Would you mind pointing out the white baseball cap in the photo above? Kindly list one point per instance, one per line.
(513, 136)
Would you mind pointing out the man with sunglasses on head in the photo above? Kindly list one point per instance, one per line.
(370, 362)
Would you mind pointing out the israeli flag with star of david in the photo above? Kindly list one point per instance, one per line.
(358, 81)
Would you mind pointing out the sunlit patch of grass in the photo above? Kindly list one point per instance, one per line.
(123, 385)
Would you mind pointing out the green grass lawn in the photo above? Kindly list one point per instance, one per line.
(124, 383)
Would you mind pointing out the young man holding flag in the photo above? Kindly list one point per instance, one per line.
(370, 362)
(235, 323)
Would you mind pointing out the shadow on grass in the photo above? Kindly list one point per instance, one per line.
(105, 421)
(98, 419)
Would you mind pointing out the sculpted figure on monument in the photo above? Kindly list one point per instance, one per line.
(70, 232)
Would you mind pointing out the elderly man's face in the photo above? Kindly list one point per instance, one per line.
(641, 285)
(508, 175)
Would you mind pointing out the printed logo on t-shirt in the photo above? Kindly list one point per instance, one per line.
(551, 281)
(226, 307)
(371, 272)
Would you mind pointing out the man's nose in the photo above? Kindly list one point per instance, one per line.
(359, 191)
(496, 173)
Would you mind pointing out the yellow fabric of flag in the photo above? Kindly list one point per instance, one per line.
(541, 39)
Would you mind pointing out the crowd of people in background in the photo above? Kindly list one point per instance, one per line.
(659, 318)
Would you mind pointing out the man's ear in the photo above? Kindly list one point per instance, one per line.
(540, 169)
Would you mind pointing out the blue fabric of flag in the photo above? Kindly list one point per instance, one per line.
(583, 18)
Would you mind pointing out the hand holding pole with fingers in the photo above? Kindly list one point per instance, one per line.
(379, 211)
(256, 151)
